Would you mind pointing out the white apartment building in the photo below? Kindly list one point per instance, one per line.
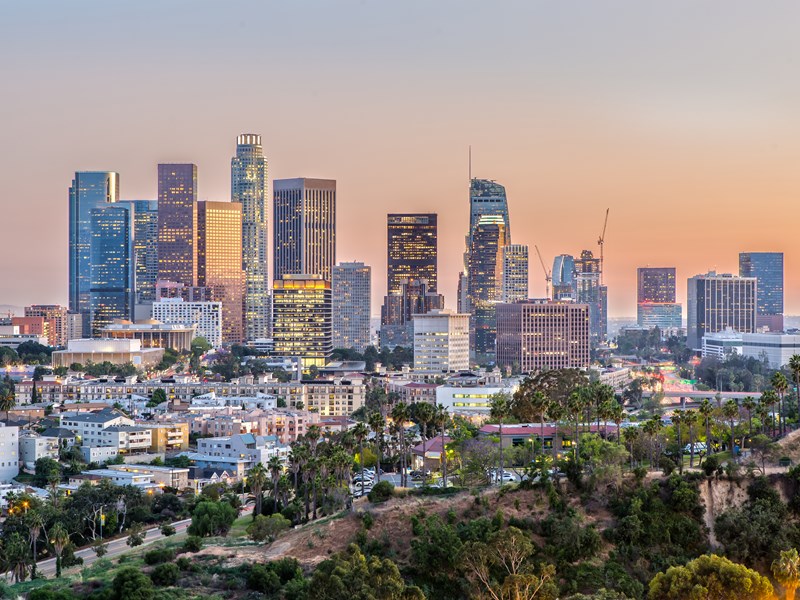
(90, 427)
(441, 342)
(33, 446)
(206, 316)
(237, 454)
(9, 452)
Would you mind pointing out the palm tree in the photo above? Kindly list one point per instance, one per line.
(631, 434)
(400, 416)
(730, 411)
(442, 419)
(500, 409)
(677, 420)
(312, 436)
(294, 465)
(574, 409)
(781, 385)
(59, 538)
(794, 367)
(690, 418)
(257, 477)
(617, 414)
(540, 403)
(424, 415)
(762, 412)
(705, 410)
(35, 522)
(770, 398)
(786, 570)
(377, 423)
(749, 404)
(7, 400)
(275, 467)
(360, 433)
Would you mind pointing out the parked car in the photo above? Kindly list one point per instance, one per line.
(698, 448)
(507, 477)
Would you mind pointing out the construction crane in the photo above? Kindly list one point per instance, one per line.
(601, 242)
(548, 277)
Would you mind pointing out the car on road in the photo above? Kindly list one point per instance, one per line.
(698, 448)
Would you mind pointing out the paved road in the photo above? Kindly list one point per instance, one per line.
(116, 547)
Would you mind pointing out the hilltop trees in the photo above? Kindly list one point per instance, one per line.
(710, 577)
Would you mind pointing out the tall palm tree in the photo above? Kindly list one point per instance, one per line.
(749, 404)
(794, 367)
(313, 435)
(677, 421)
(617, 414)
(730, 411)
(378, 424)
(424, 413)
(555, 412)
(762, 412)
(442, 419)
(690, 418)
(7, 400)
(35, 523)
(59, 538)
(257, 478)
(360, 433)
(540, 403)
(275, 467)
(400, 416)
(631, 435)
(574, 409)
(770, 398)
(500, 409)
(705, 410)
(781, 385)
(786, 570)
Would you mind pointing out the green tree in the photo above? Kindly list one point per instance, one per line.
(781, 386)
(794, 367)
(7, 400)
(59, 538)
(212, 518)
(131, 584)
(159, 397)
(710, 577)
(377, 423)
(786, 570)
(360, 433)
(257, 478)
(266, 529)
(731, 411)
(136, 535)
(400, 416)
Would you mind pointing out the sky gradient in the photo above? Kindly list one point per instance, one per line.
(681, 117)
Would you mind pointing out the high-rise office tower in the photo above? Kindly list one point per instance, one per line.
(485, 278)
(415, 297)
(249, 188)
(515, 273)
(145, 249)
(655, 298)
(177, 223)
(301, 310)
(767, 268)
(219, 261)
(715, 302)
(112, 265)
(411, 250)
(89, 190)
(538, 335)
(351, 292)
(587, 290)
(304, 227)
(486, 199)
(563, 277)
(441, 342)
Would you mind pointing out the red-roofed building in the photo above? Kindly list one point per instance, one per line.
(521, 434)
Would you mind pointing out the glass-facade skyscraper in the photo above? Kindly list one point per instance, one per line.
(351, 292)
(249, 183)
(655, 298)
(302, 318)
(588, 290)
(563, 277)
(485, 273)
(89, 190)
(177, 223)
(145, 249)
(112, 265)
(767, 268)
(716, 302)
(411, 248)
(304, 227)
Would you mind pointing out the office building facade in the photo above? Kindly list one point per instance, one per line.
(177, 223)
(90, 190)
(351, 297)
(767, 268)
(205, 316)
(411, 250)
(485, 278)
(537, 335)
(589, 290)
(563, 277)
(441, 342)
(145, 248)
(304, 227)
(302, 319)
(58, 321)
(716, 302)
(515, 273)
(219, 262)
(249, 183)
(655, 298)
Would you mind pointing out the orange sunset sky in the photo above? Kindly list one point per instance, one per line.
(681, 117)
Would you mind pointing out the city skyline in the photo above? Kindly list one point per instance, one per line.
(667, 134)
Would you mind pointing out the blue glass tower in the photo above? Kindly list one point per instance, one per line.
(767, 268)
(111, 257)
(563, 276)
(89, 191)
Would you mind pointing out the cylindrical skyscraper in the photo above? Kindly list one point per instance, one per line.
(249, 188)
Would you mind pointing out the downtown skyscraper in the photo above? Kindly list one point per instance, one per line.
(515, 273)
(351, 296)
(145, 248)
(177, 223)
(249, 183)
(100, 250)
(589, 290)
(767, 268)
(304, 227)
(655, 298)
(717, 302)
